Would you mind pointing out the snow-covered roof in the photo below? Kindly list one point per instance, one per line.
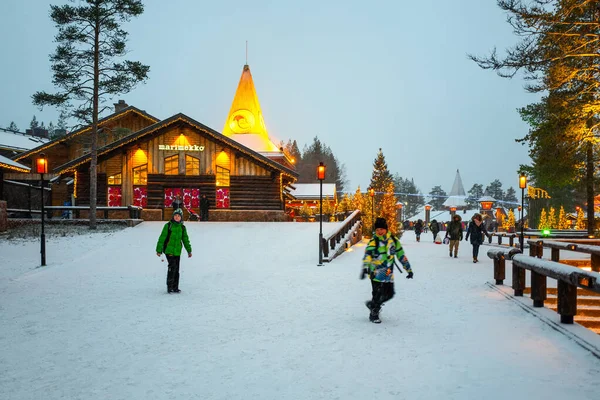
(255, 142)
(20, 141)
(311, 190)
(4, 161)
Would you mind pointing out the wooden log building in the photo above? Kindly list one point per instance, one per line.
(146, 162)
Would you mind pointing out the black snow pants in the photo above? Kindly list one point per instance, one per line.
(382, 292)
(173, 272)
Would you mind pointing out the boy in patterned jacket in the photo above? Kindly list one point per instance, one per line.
(378, 264)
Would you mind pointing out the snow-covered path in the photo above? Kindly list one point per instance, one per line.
(257, 319)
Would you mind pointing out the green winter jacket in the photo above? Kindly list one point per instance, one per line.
(177, 239)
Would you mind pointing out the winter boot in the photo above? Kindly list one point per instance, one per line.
(455, 256)
(474, 260)
(176, 290)
(374, 316)
(450, 254)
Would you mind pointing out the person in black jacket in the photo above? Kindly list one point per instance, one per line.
(476, 230)
(435, 228)
(204, 206)
(418, 229)
(455, 232)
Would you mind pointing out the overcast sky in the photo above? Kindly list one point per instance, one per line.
(360, 75)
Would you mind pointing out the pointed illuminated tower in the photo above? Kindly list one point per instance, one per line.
(245, 122)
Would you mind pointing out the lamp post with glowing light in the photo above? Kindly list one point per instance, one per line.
(372, 194)
(399, 206)
(427, 213)
(321, 177)
(522, 185)
(41, 167)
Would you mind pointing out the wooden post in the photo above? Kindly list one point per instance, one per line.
(499, 270)
(595, 263)
(533, 250)
(555, 254)
(511, 240)
(567, 302)
(518, 280)
(538, 289)
(499, 239)
(540, 249)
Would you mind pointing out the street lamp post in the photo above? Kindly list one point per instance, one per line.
(42, 168)
(427, 213)
(321, 177)
(522, 185)
(399, 205)
(372, 194)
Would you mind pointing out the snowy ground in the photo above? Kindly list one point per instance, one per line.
(258, 319)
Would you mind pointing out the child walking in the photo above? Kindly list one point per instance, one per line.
(172, 239)
(378, 264)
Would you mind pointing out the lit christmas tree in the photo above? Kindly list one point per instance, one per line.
(509, 222)
(388, 208)
(346, 204)
(563, 223)
(580, 224)
(328, 209)
(551, 221)
(305, 211)
(543, 224)
(380, 179)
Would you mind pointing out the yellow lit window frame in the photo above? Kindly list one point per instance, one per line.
(116, 179)
(172, 165)
(222, 176)
(192, 165)
(140, 175)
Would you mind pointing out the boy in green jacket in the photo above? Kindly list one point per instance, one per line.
(172, 238)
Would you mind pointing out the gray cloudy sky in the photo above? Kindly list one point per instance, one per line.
(360, 75)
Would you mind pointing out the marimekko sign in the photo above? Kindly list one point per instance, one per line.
(192, 147)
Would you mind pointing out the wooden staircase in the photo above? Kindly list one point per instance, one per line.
(588, 307)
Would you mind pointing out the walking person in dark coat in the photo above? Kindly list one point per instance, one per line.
(418, 229)
(476, 230)
(177, 203)
(172, 239)
(455, 232)
(435, 228)
(204, 206)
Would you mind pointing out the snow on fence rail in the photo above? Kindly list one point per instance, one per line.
(349, 232)
(568, 278)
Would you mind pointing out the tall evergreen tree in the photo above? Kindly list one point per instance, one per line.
(494, 189)
(380, 179)
(437, 197)
(51, 129)
(475, 193)
(410, 196)
(314, 154)
(86, 71)
(559, 53)
(13, 127)
(510, 197)
(34, 123)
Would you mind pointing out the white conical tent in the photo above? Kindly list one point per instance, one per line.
(457, 197)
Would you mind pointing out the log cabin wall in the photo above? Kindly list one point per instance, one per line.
(255, 193)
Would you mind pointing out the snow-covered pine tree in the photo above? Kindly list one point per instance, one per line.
(509, 222)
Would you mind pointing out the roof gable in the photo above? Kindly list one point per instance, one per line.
(154, 129)
(116, 116)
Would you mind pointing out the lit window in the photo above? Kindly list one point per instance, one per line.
(115, 179)
(222, 176)
(140, 175)
(192, 165)
(172, 165)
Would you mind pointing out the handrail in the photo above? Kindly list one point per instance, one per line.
(333, 242)
(537, 249)
(569, 279)
(499, 255)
